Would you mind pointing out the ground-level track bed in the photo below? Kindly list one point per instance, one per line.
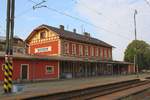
(92, 92)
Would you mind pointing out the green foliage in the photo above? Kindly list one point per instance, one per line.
(142, 51)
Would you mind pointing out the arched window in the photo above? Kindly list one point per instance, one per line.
(42, 35)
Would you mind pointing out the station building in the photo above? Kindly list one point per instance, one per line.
(54, 53)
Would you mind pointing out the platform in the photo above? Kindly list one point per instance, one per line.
(49, 87)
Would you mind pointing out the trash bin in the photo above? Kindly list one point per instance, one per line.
(17, 88)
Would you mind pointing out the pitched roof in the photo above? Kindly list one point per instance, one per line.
(3, 38)
(73, 36)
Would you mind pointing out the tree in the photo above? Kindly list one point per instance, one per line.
(142, 51)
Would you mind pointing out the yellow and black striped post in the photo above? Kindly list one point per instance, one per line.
(8, 71)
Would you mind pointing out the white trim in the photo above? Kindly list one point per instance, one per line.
(66, 47)
(27, 71)
(80, 50)
(92, 51)
(96, 52)
(86, 50)
(73, 49)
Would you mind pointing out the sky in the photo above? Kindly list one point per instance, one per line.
(108, 20)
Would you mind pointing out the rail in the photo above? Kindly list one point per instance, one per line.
(92, 92)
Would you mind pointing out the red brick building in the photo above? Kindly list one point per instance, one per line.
(55, 53)
(31, 68)
(81, 55)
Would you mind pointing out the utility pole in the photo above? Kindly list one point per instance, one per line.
(135, 56)
(8, 69)
(135, 13)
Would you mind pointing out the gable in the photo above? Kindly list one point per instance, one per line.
(37, 34)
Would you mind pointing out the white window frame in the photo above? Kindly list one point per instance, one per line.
(66, 48)
(80, 50)
(27, 71)
(47, 71)
(73, 48)
(86, 51)
(96, 52)
(41, 34)
(101, 52)
(105, 53)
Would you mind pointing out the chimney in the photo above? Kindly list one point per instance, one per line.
(86, 34)
(74, 30)
(61, 27)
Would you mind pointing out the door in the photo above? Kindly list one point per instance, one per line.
(24, 72)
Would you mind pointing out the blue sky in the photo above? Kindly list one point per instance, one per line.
(113, 19)
(27, 18)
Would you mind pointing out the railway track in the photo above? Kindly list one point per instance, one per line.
(92, 92)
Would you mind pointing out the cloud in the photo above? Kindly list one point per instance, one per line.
(115, 24)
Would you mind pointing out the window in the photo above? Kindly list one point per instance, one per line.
(86, 51)
(80, 50)
(96, 51)
(42, 35)
(66, 48)
(101, 52)
(14, 49)
(92, 51)
(109, 53)
(21, 50)
(49, 69)
(73, 49)
(105, 53)
(1, 47)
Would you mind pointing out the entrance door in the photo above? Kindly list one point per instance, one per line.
(24, 72)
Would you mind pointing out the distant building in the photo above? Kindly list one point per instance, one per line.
(54, 53)
(19, 46)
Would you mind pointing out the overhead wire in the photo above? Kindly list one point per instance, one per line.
(23, 13)
(98, 13)
(76, 18)
(147, 2)
(81, 20)
(90, 8)
(27, 10)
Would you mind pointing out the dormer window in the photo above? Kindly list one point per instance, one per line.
(42, 35)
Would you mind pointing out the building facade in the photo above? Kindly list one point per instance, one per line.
(81, 55)
(31, 68)
(19, 46)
